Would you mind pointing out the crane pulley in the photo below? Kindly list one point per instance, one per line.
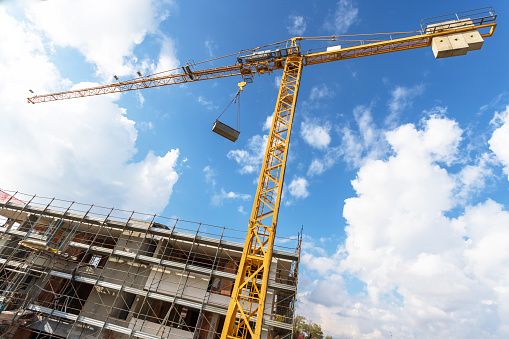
(449, 35)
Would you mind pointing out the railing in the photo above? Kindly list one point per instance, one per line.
(477, 17)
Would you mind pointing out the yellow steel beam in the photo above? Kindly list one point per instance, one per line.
(388, 46)
(260, 67)
(247, 301)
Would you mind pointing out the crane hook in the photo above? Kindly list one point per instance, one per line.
(241, 85)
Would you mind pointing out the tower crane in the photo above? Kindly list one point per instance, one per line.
(448, 35)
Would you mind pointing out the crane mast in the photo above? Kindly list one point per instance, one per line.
(248, 295)
(246, 308)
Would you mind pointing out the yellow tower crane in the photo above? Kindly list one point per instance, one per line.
(448, 35)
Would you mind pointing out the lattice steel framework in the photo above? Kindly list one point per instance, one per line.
(248, 298)
(265, 66)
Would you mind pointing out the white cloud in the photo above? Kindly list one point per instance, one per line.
(329, 159)
(145, 126)
(487, 253)
(308, 244)
(424, 274)
(268, 122)
(209, 175)
(297, 25)
(358, 144)
(207, 103)
(61, 149)
(499, 142)
(343, 17)
(401, 99)
(277, 81)
(240, 209)
(141, 99)
(317, 167)
(149, 183)
(472, 178)
(365, 143)
(94, 28)
(314, 134)
(219, 198)
(439, 140)
(320, 92)
(167, 59)
(408, 185)
(210, 45)
(298, 188)
(250, 159)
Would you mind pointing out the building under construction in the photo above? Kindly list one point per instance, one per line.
(79, 271)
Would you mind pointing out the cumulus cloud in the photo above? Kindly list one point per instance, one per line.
(149, 180)
(472, 178)
(424, 274)
(408, 184)
(167, 59)
(298, 188)
(268, 122)
(499, 142)
(314, 134)
(250, 159)
(439, 140)
(104, 41)
(297, 25)
(61, 149)
(219, 198)
(345, 15)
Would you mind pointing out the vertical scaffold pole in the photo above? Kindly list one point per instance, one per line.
(248, 295)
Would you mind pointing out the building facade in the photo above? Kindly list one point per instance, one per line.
(78, 271)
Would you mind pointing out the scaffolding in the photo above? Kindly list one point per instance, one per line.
(72, 270)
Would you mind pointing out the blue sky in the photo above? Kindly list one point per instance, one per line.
(398, 167)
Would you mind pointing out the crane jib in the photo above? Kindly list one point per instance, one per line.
(271, 61)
